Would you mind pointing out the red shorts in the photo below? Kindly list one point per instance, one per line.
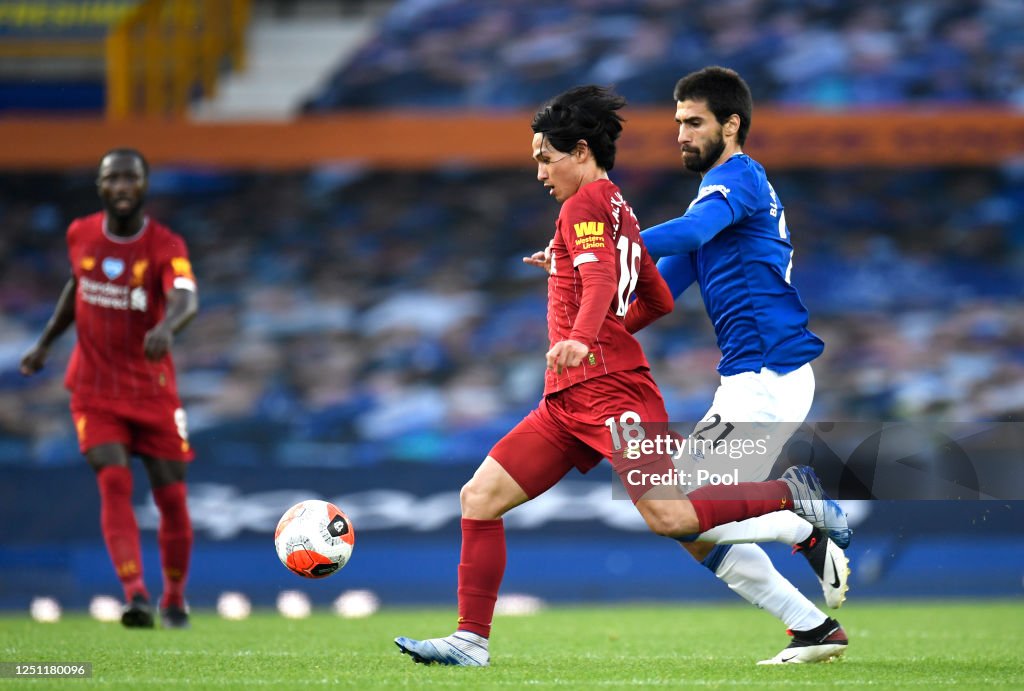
(580, 425)
(154, 427)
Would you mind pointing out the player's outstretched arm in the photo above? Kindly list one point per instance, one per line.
(703, 221)
(63, 317)
(182, 306)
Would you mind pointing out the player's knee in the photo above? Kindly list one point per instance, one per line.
(480, 500)
(104, 455)
(162, 473)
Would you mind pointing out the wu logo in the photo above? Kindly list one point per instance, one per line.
(588, 228)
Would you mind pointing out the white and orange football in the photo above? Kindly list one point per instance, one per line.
(314, 538)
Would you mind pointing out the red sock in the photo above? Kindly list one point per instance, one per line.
(480, 571)
(175, 538)
(718, 504)
(120, 531)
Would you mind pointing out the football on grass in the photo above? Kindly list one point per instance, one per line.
(314, 538)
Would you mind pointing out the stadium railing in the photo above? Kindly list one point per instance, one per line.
(164, 51)
(144, 59)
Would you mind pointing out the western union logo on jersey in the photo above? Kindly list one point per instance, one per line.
(589, 228)
(589, 235)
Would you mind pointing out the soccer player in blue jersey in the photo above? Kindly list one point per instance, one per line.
(733, 242)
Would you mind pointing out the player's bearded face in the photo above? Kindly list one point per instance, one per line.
(700, 158)
(701, 138)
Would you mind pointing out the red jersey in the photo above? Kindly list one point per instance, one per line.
(597, 225)
(122, 288)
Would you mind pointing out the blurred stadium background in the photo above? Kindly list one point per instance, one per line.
(355, 184)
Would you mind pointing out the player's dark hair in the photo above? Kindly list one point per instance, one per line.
(587, 113)
(724, 91)
(127, 151)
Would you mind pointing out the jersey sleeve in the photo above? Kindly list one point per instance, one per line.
(176, 269)
(587, 231)
(728, 195)
(587, 228)
(599, 285)
(679, 272)
(738, 186)
(701, 222)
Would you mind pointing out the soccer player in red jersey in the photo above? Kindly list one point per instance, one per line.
(131, 290)
(598, 392)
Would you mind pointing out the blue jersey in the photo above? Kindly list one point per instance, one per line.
(733, 240)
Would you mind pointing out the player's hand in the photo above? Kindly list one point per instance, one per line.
(565, 354)
(34, 359)
(541, 259)
(158, 342)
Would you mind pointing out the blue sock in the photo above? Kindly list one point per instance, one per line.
(715, 557)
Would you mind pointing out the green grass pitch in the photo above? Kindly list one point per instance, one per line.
(965, 644)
